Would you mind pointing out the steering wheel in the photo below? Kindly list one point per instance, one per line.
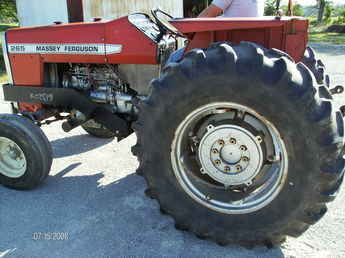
(164, 25)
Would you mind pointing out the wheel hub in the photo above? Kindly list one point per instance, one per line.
(207, 144)
(12, 159)
(230, 154)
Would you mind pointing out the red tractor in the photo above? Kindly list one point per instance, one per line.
(238, 138)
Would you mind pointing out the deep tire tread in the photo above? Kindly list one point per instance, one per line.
(234, 59)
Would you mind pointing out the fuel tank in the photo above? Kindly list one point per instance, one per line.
(288, 34)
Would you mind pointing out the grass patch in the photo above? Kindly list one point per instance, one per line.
(318, 27)
(327, 37)
(3, 77)
(317, 34)
(4, 27)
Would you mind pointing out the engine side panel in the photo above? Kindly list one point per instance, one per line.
(116, 42)
(32, 47)
(139, 76)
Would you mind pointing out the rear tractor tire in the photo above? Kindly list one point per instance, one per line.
(25, 153)
(97, 130)
(316, 66)
(237, 146)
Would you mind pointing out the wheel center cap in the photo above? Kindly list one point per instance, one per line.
(231, 154)
(12, 159)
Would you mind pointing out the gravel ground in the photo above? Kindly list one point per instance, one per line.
(94, 196)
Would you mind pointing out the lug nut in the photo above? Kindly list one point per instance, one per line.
(227, 169)
(238, 168)
(243, 148)
(233, 141)
(215, 151)
(221, 142)
(259, 139)
(218, 162)
(245, 159)
(210, 127)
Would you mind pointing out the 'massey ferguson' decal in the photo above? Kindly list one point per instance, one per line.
(65, 49)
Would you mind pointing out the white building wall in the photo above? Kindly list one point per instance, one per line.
(44, 12)
(41, 12)
(111, 9)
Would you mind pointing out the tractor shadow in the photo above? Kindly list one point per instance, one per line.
(113, 220)
(76, 144)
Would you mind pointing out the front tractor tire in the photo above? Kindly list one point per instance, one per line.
(25, 153)
(237, 145)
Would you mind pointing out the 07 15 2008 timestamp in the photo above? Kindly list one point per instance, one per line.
(50, 236)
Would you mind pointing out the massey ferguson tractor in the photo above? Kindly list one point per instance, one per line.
(238, 137)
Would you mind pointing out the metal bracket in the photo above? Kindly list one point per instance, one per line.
(70, 99)
(293, 27)
(337, 90)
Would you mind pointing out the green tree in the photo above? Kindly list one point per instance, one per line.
(329, 9)
(322, 7)
(8, 11)
(298, 10)
(340, 17)
(270, 7)
(192, 8)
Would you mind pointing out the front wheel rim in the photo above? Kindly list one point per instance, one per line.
(224, 149)
(12, 159)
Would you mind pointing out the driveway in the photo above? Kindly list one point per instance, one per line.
(93, 195)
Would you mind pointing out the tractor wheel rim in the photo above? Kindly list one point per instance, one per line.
(12, 159)
(229, 148)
